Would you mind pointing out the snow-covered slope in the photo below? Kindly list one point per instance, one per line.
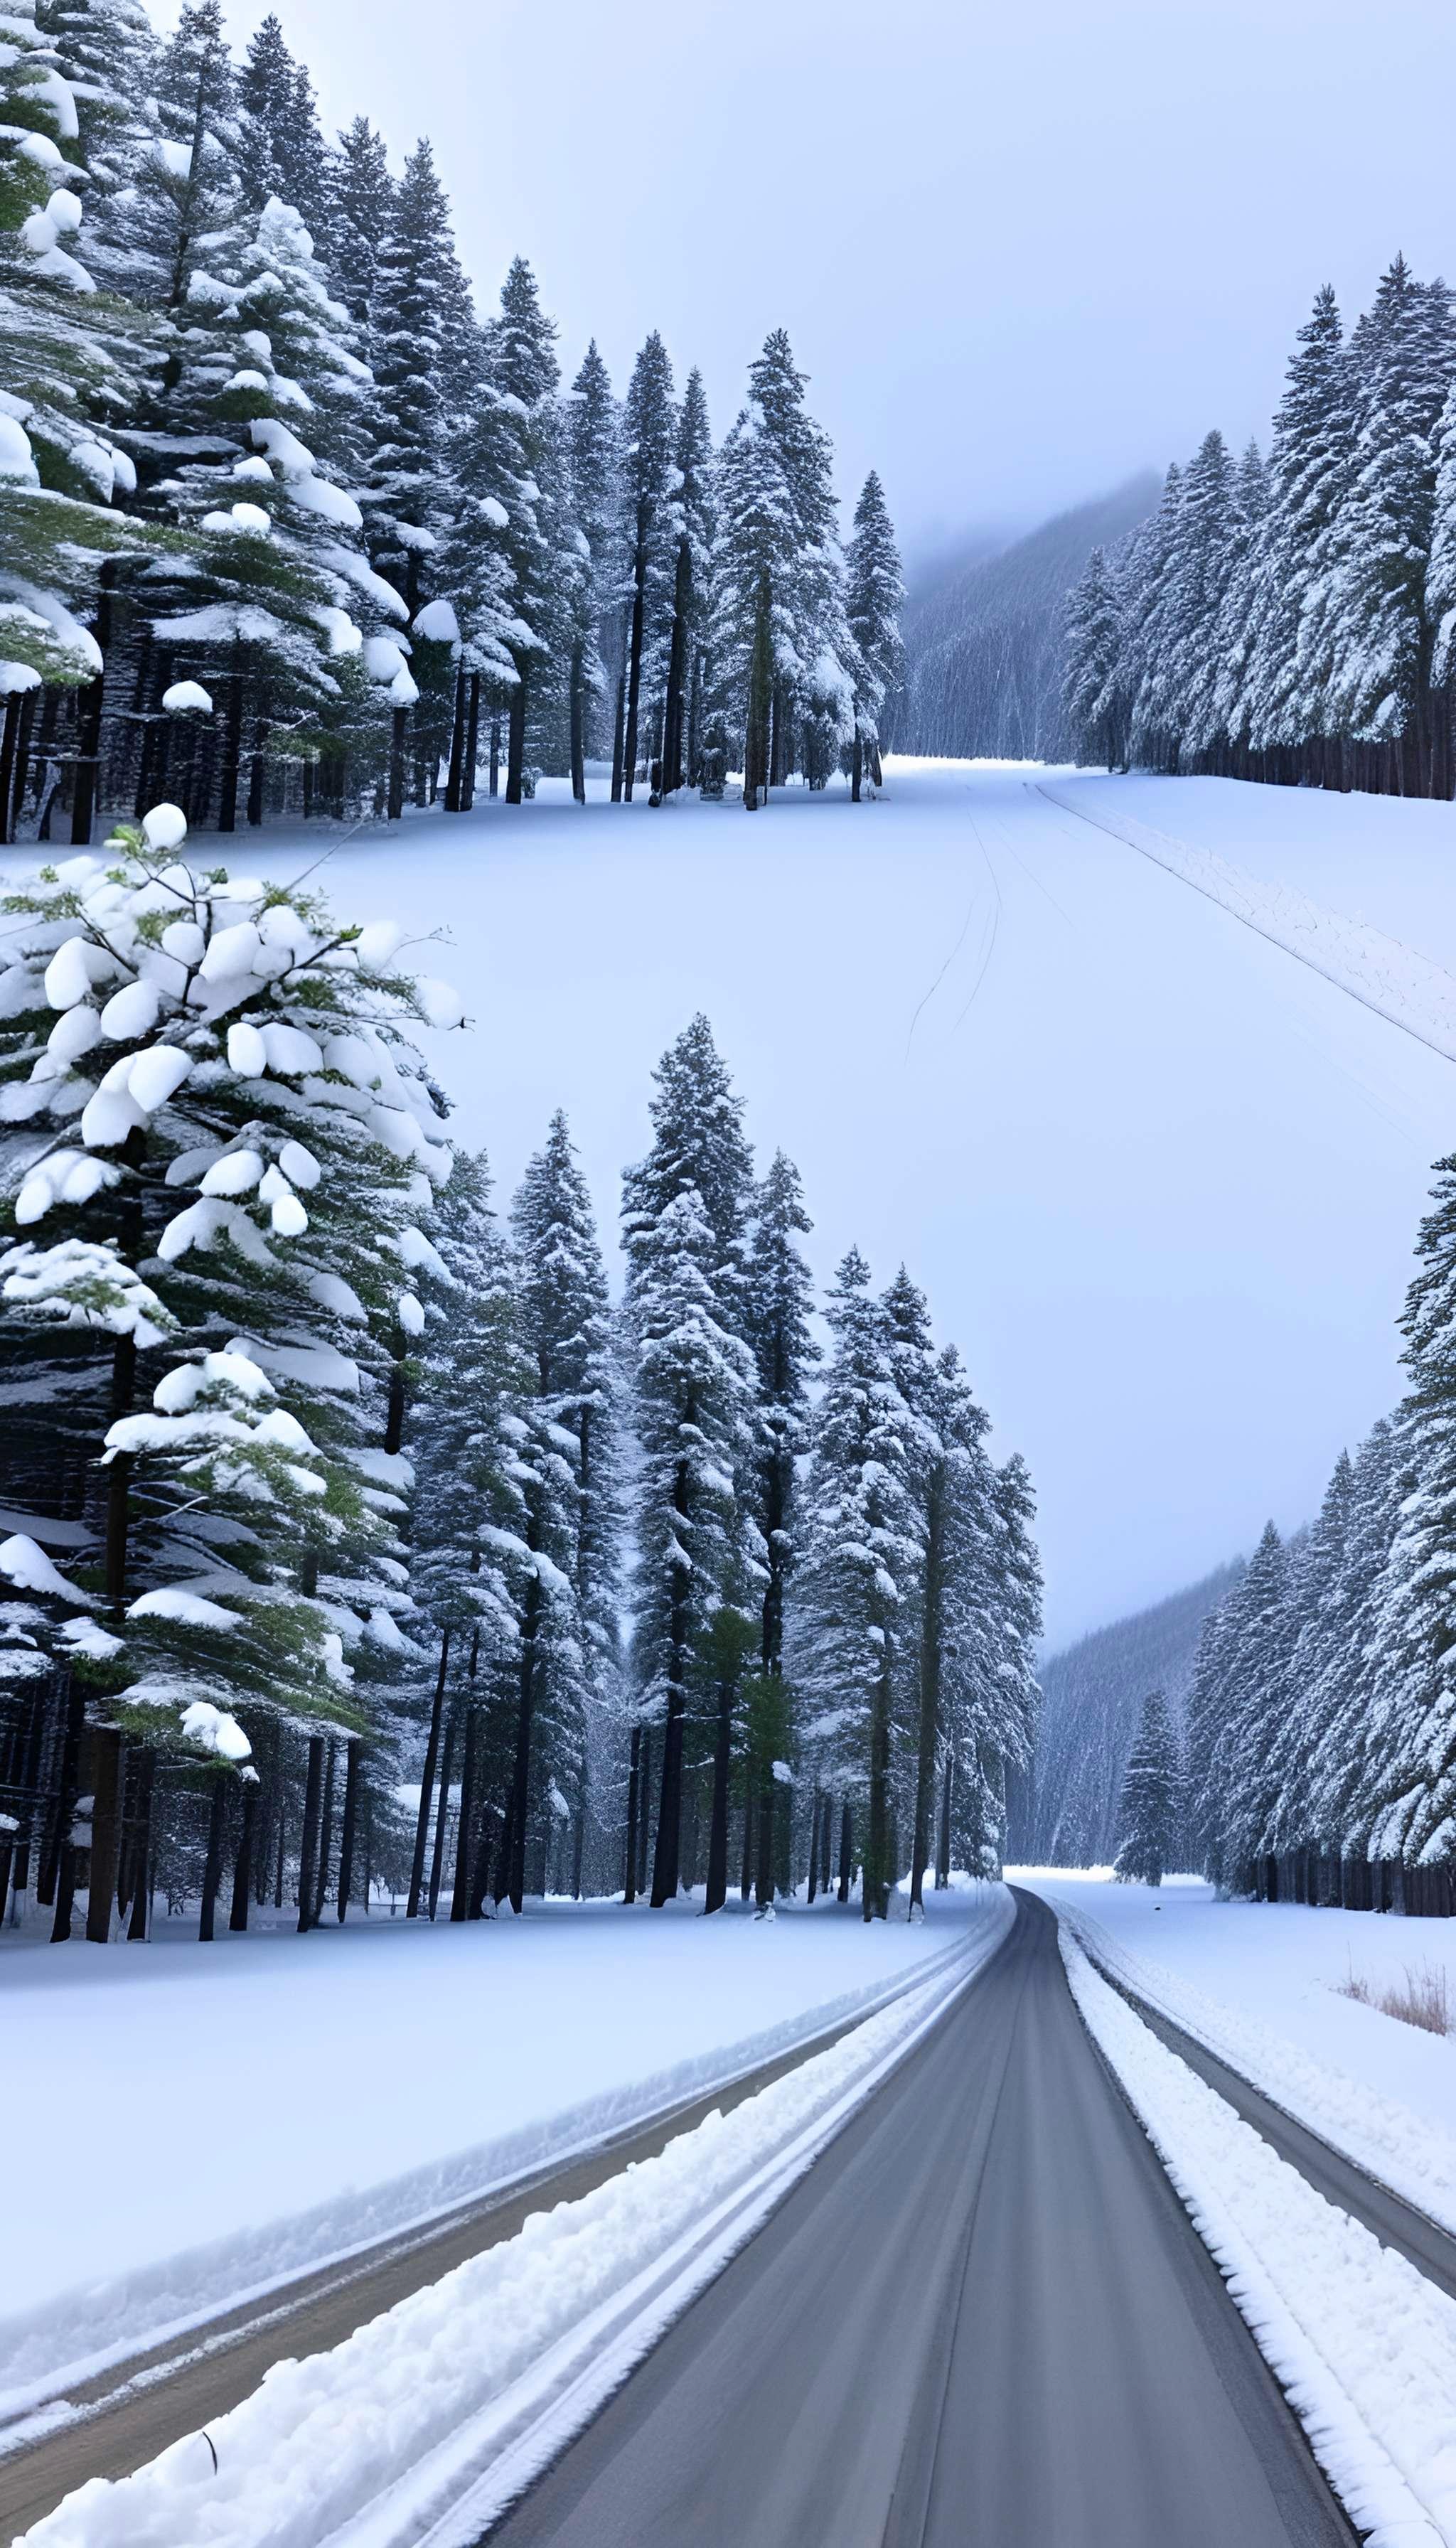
(1161, 1180)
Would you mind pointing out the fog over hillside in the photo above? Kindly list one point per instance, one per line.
(984, 641)
(1091, 1695)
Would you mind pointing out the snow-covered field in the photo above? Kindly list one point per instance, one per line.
(1280, 1965)
(1161, 1180)
(280, 2100)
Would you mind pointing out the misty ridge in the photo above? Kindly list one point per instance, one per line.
(984, 634)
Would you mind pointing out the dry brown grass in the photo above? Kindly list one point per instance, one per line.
(1422, 1999)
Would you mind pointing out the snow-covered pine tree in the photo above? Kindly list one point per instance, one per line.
(780, 1303)
(360, 217)
(1230, 707)
(685, 1210)
(594, 458)
(875, 588)
(281, 149)
(104, 52)
(1149, 1810)
(1355, 1704)
(855, 1577)
(1152, 570)
(1308, 464)
(1236, 1804)
(1194, 602)
(1095, 692)
(260, 1055)
(693, 505)
(1313, 1572)
(649, 470)
(276, 646)
(569, 1333)
(1382, 640)
(512, 464)
(471, 1377)
(69, 361)
(423, 351)
(1409, 1772)
(752, 557)
(811, 676)
(1012, 1703)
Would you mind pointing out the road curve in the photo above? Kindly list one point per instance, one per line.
(982, 2321)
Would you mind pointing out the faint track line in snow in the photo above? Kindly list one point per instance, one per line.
(990, 946)
(927, 996)
(1406, 988)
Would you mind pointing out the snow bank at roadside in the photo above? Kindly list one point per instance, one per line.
(463, 2387)
(1396, 981)
(1364, 2347)
(351, 2085)
(1404, 2150)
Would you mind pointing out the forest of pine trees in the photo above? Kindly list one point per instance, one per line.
(1321, 1721)
(356, 1544)
(286, 529)
(1292, 616)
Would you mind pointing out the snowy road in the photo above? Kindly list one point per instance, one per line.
(984, 2316)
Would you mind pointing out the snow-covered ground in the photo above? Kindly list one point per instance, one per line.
(1363, 2346)
(1259, 1984)
(277, 2100)
(447, 2403)
(1161, 1180)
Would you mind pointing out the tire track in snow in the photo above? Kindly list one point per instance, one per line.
(1357, 960)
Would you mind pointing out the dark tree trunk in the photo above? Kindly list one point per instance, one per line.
(255, 776)
(676, 670)
(634, 655)
(136, 1925)
(717, 1884)
(353, 1759)
(520, 1781)
(629, 1887)
(579, 1838)
(398, 723)
(231, 756)
(814, 1848)
(746, 1868)
(579, 727)
(494, 756)
(942, 1846)
(455, 782)
(932, 1643)
(437, 1856)
(58, 1867)
(756, 747)
(428, 1780)
(644, 1812)
(619, 728)
(106, 1777)
(211, 1871)
(8, 736)
(242, 1865)
(308, 1844)
(326, 1837)
(857, 766)
(764, 1839)
(465, 1843)
(86, 785)
(472, 744)
(845, 1855)
(515, 743)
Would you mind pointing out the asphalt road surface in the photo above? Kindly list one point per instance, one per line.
(982, 2321)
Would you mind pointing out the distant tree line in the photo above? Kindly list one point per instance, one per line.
(1322, 1733)
(354, 1537)
(1292, 617)
(285, 528)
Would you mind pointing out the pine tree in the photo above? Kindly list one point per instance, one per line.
(104, 52)
(861, 1554)
(568, 1337)
(873, 591)
(648, 436)
(419, 353)
(1095, 693)
(1308, 463)
(684, 1216)
(1239, 1795)
(593, 444)
(281, 149)
(692, 507)
(1147, 1815)
(780, 1303)
(360, 217)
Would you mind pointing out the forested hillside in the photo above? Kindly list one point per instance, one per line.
(984, 645)
(290, 528)
(1292, 616)
(1092, 1696)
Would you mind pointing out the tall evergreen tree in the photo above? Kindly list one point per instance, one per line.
(649, 438)
(873, 591)
(1147, 1815)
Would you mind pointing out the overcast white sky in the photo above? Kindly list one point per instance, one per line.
(1022, 249)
